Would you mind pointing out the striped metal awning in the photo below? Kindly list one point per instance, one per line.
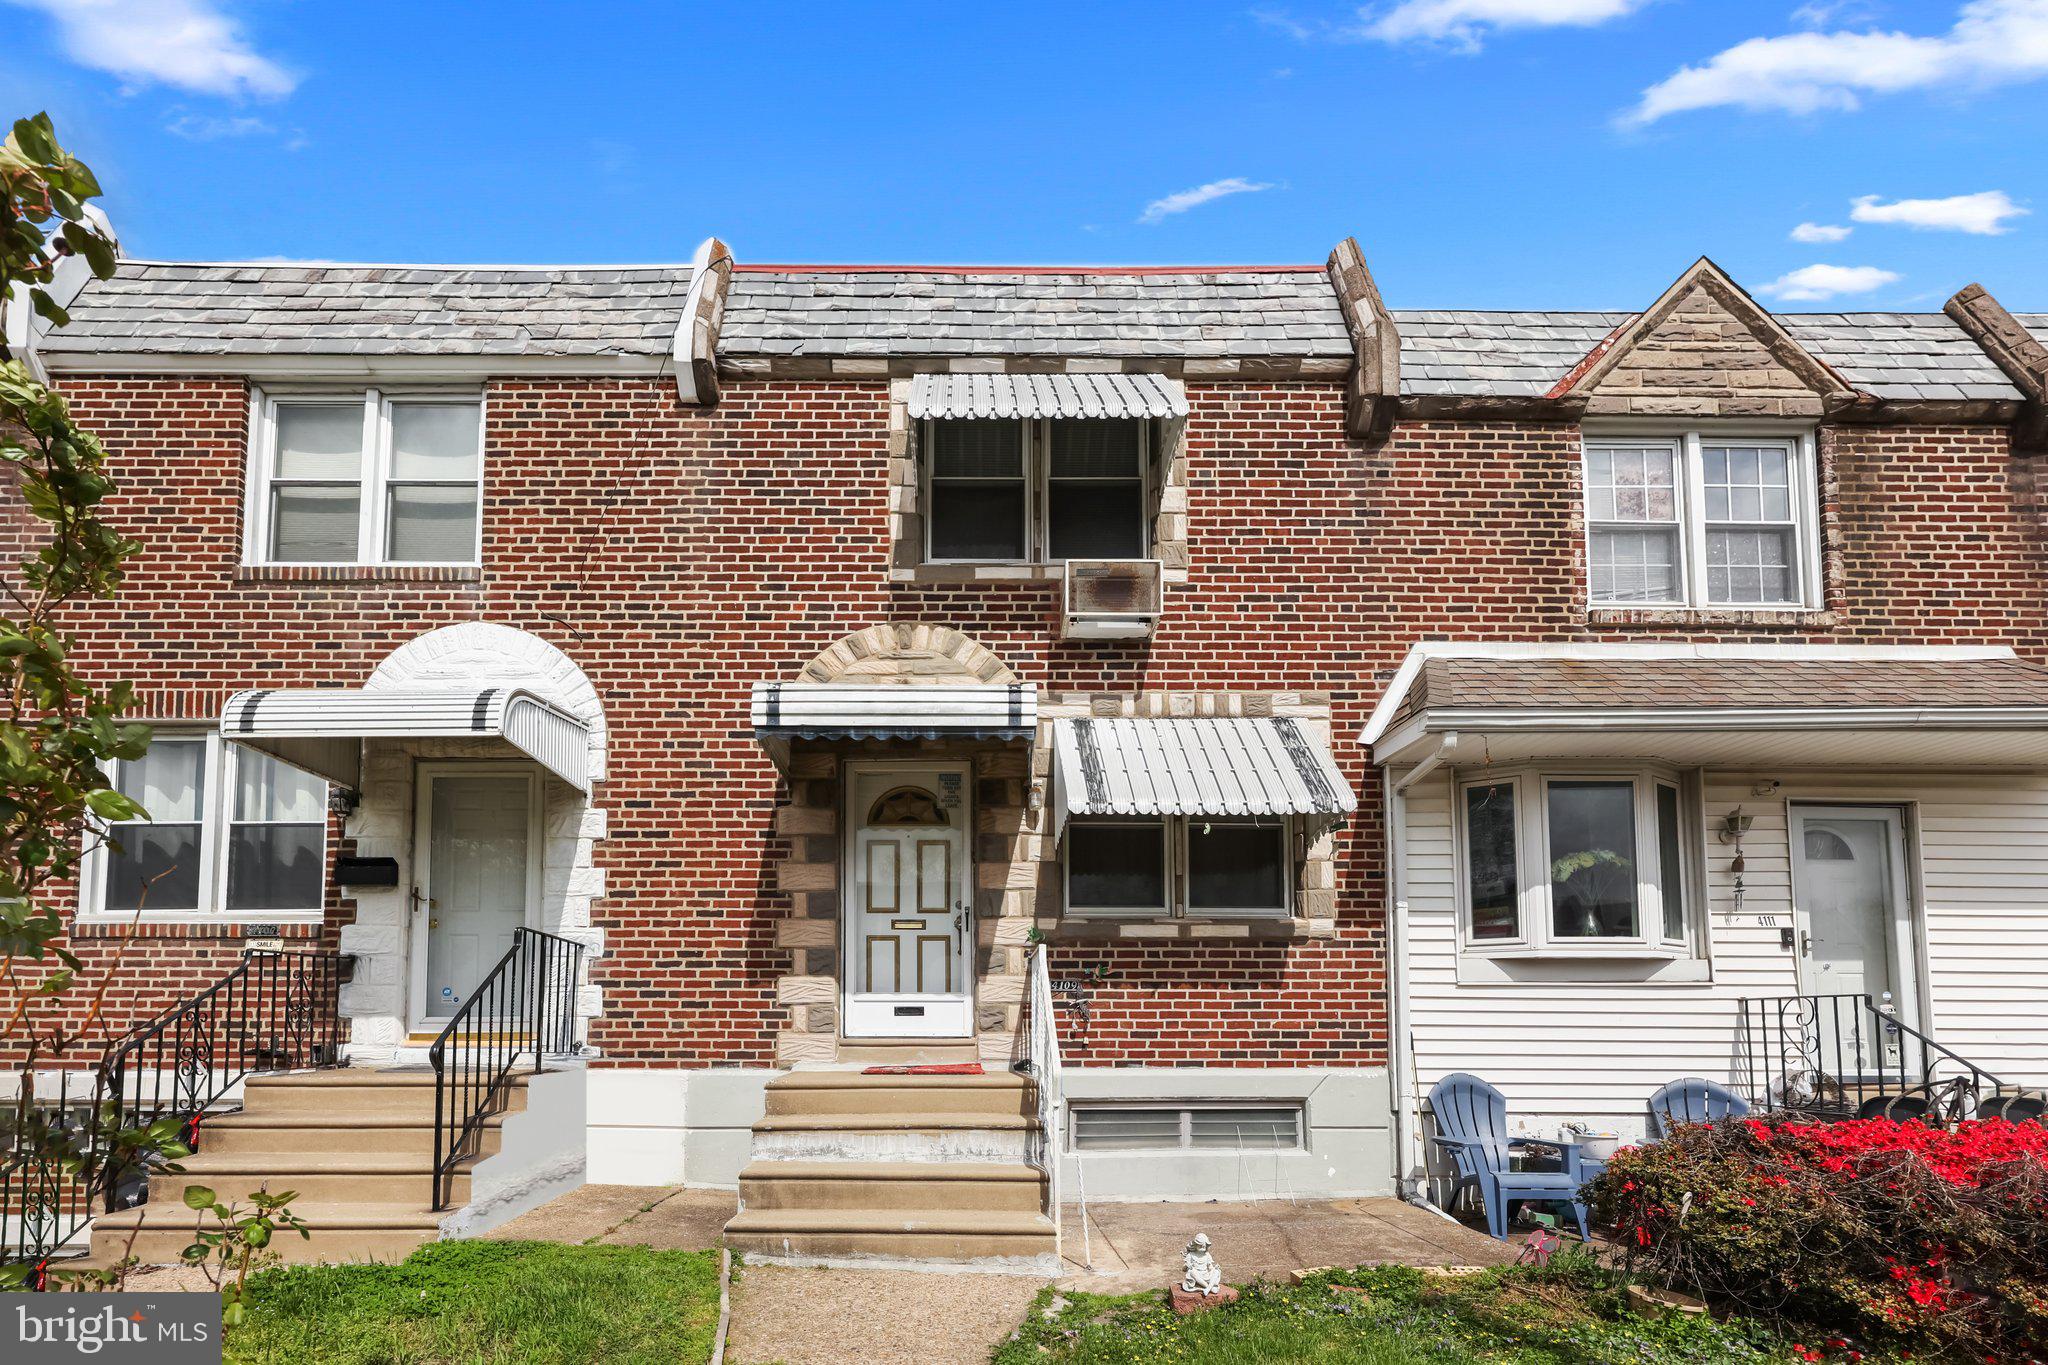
(848, 711)
(322, 729)
(1193, 766)
(990, 396)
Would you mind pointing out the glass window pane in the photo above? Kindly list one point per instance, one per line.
(1751, 566)
(1670, 865)
(266, 789)
(1634, 566)
(1492, 882)
(978, 520)
(1096, 520)
(1097, 448)
(1259, 1128)
(1236, 867)
(1100, 1130)
(319, 441)
(313, 525)
(433, 524)
(434, 440)
(1748, 483)
(153, 867)
(1631, 483)
(1116, 867)
(169, 780)
(977, 450)
(275, 867)
(1592, 859)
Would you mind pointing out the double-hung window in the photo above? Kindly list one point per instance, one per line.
(1702, 519)
(225, 829)
(1576, 863)
(366, 478)
(1027, 491)
(1194, 866)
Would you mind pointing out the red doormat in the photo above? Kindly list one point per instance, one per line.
(931, 1069)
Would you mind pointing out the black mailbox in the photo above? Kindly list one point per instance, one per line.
(366, 872)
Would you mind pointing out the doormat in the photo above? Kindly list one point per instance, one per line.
(928, 1069)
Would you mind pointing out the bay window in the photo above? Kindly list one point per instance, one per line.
(365, 477)
(1573, 863)
(225, 829)
(1702, 519)
(1027, 491)
(1197, 866)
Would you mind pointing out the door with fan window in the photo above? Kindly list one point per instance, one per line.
(908, 928)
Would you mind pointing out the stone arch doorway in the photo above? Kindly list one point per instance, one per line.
(907, 653)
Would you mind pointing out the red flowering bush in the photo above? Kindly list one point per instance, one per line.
(1894, 1233)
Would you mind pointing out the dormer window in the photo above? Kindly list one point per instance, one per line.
(1037, 490)
(1703, 519)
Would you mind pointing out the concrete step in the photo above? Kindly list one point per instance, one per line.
(242, 1134)
(892, 1185)
(347, 1232)
(341, 1178)
(908, 1051)
(351, 1093)
(931, 1234)
(918, 1136)
(853, 1094)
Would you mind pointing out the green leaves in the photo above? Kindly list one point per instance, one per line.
(41, 182)
(198, 1197)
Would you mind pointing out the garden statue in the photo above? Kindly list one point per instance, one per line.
(1203, 1276)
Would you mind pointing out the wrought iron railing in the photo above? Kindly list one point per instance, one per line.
(1851, 1056)
(66, 1155)
(521, 1014)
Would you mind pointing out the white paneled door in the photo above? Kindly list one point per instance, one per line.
(1855, 926)
(908, 915)
(477, 879)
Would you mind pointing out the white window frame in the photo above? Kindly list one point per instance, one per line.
(216, 822)
(1037, 458)
(1689, 452)
(1186, 1110)
(373, 513)
(1177, 881)
(1532, 783)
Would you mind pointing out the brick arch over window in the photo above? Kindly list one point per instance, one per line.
(904, 652)
(461, 655)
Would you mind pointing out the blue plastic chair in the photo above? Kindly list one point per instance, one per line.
(1472, 1129)
(1693, 1100)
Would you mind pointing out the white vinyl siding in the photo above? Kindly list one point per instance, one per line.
(1582, 1046)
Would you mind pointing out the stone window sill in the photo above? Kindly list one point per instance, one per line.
(1264, 930)
(1650, 618)
(358, 573)
(191, 927)
(980, 573)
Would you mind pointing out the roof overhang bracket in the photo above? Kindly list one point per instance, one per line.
(696, 343)
(1372, 398)
(2016, 350)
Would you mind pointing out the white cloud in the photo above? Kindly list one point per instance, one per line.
(1820, 232)
(1993, 42)
(1812, 283)
(1464, 23)
(185, 43)
(1981, 215)
(1161, 209)
(207, 127)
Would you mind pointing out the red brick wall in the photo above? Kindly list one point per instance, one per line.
(679, 557)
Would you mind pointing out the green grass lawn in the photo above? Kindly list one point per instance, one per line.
(487, 1303)
(1569, 1315)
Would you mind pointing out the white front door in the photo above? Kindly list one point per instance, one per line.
(908, 921)
(476, 878)
(1855, 926)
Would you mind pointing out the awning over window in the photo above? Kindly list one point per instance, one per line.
(846, 711)
(322, 729)
(991, 396)
(1193, 766)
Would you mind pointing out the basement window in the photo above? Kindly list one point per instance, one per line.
(1037, 490)
(1126, 1127)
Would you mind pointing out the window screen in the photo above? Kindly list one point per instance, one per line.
(1096, 489)
(1116, 867)
(1235, 866)
(978, 495)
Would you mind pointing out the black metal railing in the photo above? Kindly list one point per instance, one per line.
(521, 1014)
(66, 1154)
(1848, 1056)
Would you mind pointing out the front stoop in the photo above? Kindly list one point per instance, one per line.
(356, 1145)
(849, 1167)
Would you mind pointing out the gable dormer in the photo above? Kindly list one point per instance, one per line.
(1703, 349)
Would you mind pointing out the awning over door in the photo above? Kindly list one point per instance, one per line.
(322, 729)
(992, 396)
(1193, 766)
(845, 711)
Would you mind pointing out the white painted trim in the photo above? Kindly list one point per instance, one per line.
(684, 342)
(417, 1017)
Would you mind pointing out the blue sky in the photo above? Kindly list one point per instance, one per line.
(1486, 153)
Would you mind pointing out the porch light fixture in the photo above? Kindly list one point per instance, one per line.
(1734, 825)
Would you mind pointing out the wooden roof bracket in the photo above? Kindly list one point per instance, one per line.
(1372, 396)
(696, 343)
(2016, 350)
